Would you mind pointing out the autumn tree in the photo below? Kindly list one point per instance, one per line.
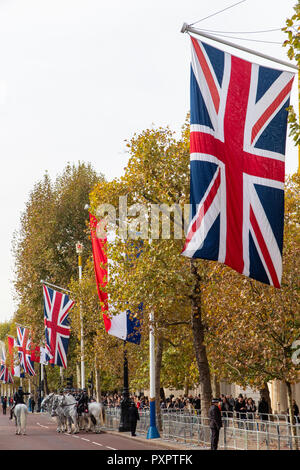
(53, 221)
(292, 43)
(251, 327)
(156, 176)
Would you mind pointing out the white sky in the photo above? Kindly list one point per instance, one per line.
(78, 77)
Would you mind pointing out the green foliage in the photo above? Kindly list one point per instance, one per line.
(53, 221)
(292, 30)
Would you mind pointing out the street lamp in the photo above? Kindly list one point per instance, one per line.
(79, 250)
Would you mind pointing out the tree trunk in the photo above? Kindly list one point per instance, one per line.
(198, 339)
(97, 384)
(215, 386)
(158, 362)
(291, 415)
(264, 393)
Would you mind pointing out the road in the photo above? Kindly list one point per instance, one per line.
(41, 435)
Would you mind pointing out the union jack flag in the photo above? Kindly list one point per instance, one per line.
(2, 353)
(57, 328)
(237, 146)
(5, 375)
(24, 351)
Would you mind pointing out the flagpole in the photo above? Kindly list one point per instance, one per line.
(186, 28)
(79, 248)
(56, 287)
(152, 431)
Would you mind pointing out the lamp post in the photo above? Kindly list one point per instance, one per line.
(79, 249)
(152, 431)
(125, 403)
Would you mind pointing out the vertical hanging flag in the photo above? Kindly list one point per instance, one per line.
(57, 328)
(2, 353)
(237, 147)
(124, 325)
(5, 375)
(38, 354)
(14, 366)
(24, 352)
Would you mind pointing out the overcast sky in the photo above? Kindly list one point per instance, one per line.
(78, 77)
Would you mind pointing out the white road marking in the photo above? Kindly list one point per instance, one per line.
(112, 448)
(97, 444)
(42, 426)
(83, 439)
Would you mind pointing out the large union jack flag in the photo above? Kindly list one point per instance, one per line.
(57, 327)
(24, 351)
(237, 147)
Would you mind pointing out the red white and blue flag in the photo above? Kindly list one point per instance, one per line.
(237, 147)
(57, 328)
(38, 354)
(124, 325)
(24, 351)
(5, 375)
(14, 365)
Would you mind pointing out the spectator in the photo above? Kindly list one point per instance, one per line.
(4, 405)
(263, 410)
(188, 406)
(226, 408)
(231, 400)
(296, 412)
(251, 410)
(240, 408)
(197, 404)
(32, 404)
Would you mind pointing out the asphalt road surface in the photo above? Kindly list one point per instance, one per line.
(41, 435)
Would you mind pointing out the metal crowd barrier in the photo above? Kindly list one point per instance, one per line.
(244, 431)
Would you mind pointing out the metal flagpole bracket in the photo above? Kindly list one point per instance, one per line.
(186, 28)
(56, 287)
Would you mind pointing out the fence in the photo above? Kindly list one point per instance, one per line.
(247, 431)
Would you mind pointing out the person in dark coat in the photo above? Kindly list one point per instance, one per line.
(215, 423)
(4, 405)
(83, 402)
(32, 404)
(296, 411)
(263, 410)
(133, 417)
(240, 409)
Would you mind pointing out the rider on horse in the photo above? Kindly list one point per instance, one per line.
(18, 398)
(82, 405)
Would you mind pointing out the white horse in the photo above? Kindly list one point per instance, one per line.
(95, 418)
(65, 407)
(47, 402)
(50, 403)
(20, 412)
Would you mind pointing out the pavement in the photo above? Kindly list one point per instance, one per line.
(158, 441)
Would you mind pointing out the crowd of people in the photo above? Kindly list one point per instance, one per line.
(242, 407)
